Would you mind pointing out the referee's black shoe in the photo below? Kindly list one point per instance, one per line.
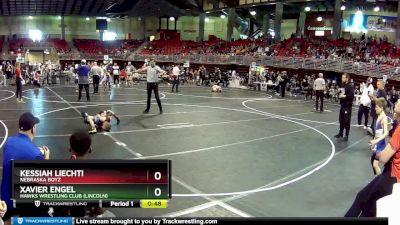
(338, 135)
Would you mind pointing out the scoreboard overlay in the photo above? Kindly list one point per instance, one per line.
(104, 183)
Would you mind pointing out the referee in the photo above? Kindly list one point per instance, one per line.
(152, 84)
(96, 72)
(346, 103)
(319, 88)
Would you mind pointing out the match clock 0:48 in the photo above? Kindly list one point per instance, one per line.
(154, 204)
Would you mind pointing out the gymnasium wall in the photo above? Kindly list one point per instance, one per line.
(78, 27)
(188, 27)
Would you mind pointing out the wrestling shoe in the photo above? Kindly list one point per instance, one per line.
(84, 115)
(93, 131)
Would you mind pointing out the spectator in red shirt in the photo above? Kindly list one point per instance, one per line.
(18, 82)
(365, 203)
(124, 77)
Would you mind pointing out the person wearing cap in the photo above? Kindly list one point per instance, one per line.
(83, 79)
(20, 147)
(319, 88)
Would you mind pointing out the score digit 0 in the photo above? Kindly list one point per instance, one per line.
(157, 176)
(157, 192)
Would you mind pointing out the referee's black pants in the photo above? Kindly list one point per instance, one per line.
(319, 96)
(344, 119)
(96, 82)
(153, 87)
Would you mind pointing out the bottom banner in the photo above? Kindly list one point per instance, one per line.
(200, 221)
(42, 220)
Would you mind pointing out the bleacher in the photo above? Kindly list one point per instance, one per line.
(171, 47)
(363, 50)
(93, 47)
(61, 46)
(162, 47)
(16, 45)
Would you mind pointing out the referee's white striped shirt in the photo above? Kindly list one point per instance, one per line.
(319, 84)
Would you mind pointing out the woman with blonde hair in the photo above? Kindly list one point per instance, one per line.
(18, 82)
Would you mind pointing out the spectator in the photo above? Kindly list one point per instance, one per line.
(2, 78)
(18, 82)
(3, 210)
(175, 78)
(365, 102)
(21, 147)
(124, 77)
(310, 87)
(9, 69)
(364, 204)
(283, 83)
(393, 95)
(36, 78)
(80, 147)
